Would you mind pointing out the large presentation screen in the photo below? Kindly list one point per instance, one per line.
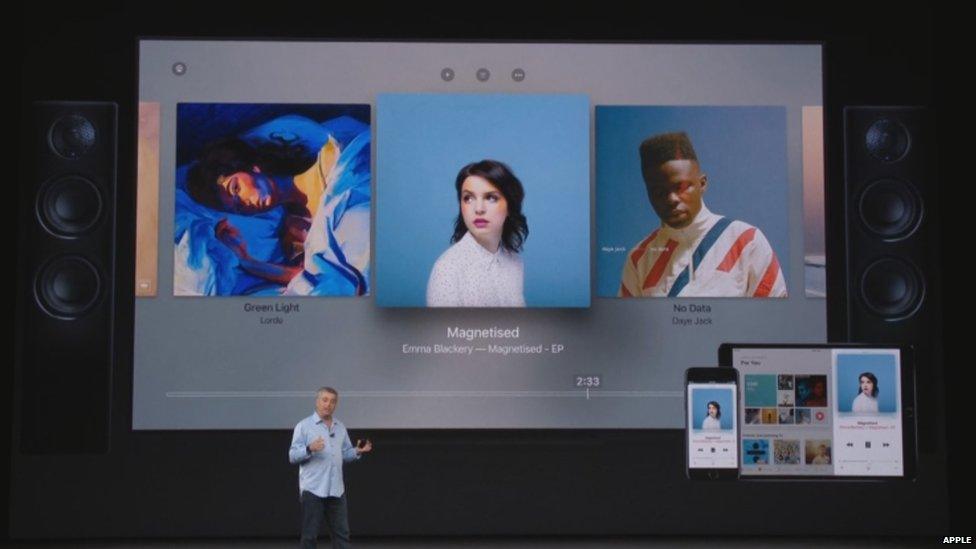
(467, 235)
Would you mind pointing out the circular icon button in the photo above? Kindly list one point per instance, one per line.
(518, 75)
(483, 75)
(447, 74)
(179, 68)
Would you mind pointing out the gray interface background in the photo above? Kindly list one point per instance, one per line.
(205, 363)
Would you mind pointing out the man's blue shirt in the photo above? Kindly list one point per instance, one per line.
(321, 472)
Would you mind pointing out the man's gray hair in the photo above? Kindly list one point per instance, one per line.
(326, 389)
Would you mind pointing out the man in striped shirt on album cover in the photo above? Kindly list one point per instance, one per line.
(695, 253)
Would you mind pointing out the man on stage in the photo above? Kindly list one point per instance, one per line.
(320, 445)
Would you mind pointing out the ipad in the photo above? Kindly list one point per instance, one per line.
(825, 411)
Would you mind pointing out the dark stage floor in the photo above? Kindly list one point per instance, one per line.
(503, 543)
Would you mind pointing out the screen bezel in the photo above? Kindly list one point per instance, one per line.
(908, 404)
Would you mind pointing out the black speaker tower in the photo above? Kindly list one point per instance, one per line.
(64, 319)
(893, 247)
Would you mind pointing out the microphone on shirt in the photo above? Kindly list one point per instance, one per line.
(331, 435)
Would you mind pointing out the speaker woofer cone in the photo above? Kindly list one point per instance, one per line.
(890, 208)
(892, 288)
(69, 206)
(67, 287)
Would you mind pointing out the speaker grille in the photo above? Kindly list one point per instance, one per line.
(72, 136)
(887, 140)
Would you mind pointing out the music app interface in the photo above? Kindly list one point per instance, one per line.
(454, 234)
(712, 426)
(867, 426)
(820, 412)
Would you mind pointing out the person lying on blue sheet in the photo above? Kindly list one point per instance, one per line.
(270, 216)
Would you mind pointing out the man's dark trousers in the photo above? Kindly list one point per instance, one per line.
(334, 511)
